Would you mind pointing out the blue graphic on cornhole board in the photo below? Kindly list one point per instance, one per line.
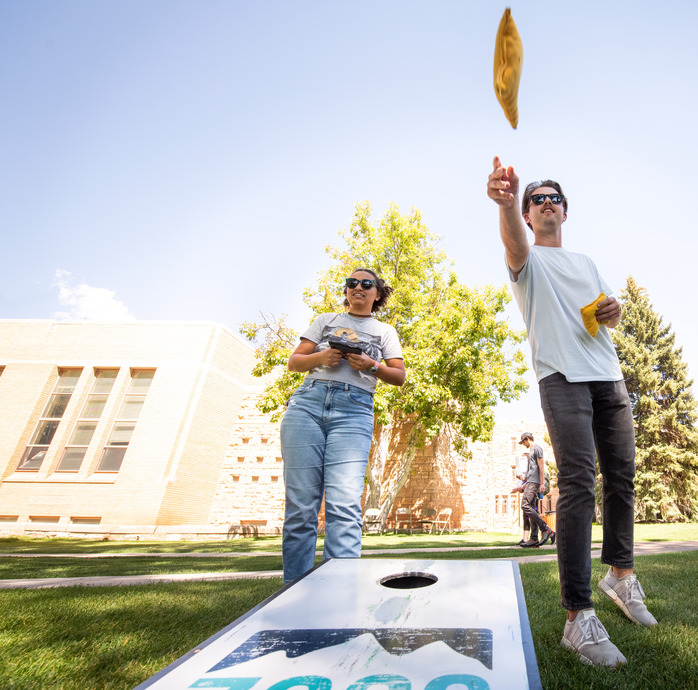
(374, 624)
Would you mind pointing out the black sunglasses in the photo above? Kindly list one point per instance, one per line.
(366, 284)
(539, 199)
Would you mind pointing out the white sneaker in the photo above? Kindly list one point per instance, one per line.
(587, 636)
(628, 594)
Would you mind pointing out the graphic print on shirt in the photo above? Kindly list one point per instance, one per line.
(370, 344)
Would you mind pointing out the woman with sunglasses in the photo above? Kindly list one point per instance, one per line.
(328, 425)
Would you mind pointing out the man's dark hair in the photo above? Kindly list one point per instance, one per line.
(384, 290)
(531, 188)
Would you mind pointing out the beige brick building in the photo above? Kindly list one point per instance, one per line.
(150, 429)
(115, 428)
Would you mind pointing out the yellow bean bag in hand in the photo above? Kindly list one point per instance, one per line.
(590, 322)
(508, 61)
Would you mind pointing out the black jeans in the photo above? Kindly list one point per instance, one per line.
(585, 420)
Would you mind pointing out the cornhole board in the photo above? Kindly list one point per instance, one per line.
(374, 624)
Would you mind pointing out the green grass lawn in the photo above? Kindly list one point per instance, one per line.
(27, 545)
(85, 638)
(252, 550)
(665, 656)
(116, 637)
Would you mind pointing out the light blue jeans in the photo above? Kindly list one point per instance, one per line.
(325, 440)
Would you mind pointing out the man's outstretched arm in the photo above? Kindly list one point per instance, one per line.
(503, 189)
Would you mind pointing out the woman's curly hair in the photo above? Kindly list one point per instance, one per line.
(384, 290)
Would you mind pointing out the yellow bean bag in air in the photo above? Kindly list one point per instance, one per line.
(590, 322)
(508, 61)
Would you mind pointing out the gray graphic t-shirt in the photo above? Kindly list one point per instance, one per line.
(533, 474)
(378, 340)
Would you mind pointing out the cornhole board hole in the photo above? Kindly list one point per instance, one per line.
(374, 624)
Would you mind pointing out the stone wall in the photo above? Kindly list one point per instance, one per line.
(250, 493)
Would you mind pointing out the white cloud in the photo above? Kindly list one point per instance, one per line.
(88, 303)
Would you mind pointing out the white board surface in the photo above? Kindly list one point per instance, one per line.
(338, 627)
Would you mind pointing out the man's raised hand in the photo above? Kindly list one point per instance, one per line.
(503, 185)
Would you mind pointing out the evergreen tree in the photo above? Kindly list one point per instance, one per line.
(664, 409)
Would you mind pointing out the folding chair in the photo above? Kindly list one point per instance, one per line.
(443, 521)
(403, 516)
(427, 519)
(372, 521)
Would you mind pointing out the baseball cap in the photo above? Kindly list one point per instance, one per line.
(525, 435)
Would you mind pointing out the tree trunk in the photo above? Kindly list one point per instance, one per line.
(376, 465)
(390, 493)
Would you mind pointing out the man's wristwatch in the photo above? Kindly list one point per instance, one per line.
(374, 368)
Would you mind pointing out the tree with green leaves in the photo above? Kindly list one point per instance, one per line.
(461, 357)
(664, 409)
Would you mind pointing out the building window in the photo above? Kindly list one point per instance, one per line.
(122, 431)
(241, 458)
(260, 459)
(35, 453)
(504, 505)
(85, 520)
(75, 451)
(496, 505)
(44, 518)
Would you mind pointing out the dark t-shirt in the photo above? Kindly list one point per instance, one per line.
(532, 473)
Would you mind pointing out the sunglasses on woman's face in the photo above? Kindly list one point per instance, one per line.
(366, 284)
(539, 199)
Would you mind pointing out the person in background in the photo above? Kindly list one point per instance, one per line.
(327, 428)
(535, 487)
(517, 489)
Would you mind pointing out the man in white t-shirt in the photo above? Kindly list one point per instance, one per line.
(585, 403)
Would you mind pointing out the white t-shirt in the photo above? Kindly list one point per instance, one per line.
(378, 340)
(551, 288)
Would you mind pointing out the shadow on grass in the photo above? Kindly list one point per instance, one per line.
(20, 568)
(91, 546)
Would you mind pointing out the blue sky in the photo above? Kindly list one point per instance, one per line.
(190, 160)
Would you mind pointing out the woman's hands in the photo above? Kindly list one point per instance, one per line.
(360, 362)
(305, 358)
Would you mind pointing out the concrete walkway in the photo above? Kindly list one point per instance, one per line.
(545, 553)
